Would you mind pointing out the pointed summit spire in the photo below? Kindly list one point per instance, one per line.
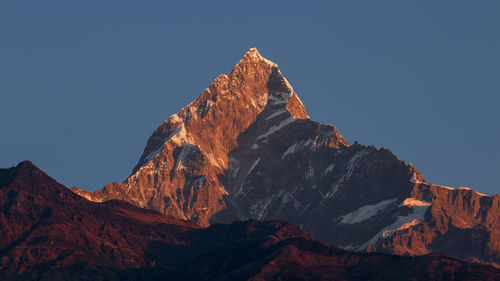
(261, 79)
(253, 55)
(253, 52)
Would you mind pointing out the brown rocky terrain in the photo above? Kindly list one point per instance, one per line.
(246, 148)
(50, 233)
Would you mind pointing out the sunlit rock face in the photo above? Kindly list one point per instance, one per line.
(246, 148)
(183, 165)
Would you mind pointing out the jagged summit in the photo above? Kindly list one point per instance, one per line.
(253, 55)
(24, 170)
(246, 148)
(254, 86)
(190, 150)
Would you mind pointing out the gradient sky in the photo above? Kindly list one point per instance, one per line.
(84, 83)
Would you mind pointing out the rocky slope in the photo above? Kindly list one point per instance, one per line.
(49, 233)
(246, 148)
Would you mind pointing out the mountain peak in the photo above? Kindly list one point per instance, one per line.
(263, 83)
(253, 55)
(246, 149)
(26, 178)
(187, 156)
(23, 170)
(26, 165)
(253, 51)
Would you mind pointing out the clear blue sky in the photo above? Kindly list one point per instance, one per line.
(84, 83)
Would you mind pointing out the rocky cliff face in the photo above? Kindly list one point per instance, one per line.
(246, 148)
(50, 233)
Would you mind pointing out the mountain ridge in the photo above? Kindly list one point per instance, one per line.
(50, 233)
(246, 148)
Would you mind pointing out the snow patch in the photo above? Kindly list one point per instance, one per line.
(280, 126)
(279, 98)
(157, 151)
(259, 209)
(254, 164)
(152, 155)
(353, 162)
(351, 165)
(310, 173)
(349, 247)
(174, 119)
(366, 212)
(468, 188)
(287, 196)
(414, 179)
(409, 202)
(445, 187)
(183, 158)
(278, 112)
(290, 150)
(460, 188)
(296, 147)
(329, 169)
(402, 222)
(333, 189)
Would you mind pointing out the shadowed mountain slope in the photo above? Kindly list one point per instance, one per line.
(49, 233)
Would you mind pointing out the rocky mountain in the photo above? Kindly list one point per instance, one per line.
(50, 233)
(246, 148)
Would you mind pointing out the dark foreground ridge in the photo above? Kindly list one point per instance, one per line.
(50, 233)
(246, 149)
